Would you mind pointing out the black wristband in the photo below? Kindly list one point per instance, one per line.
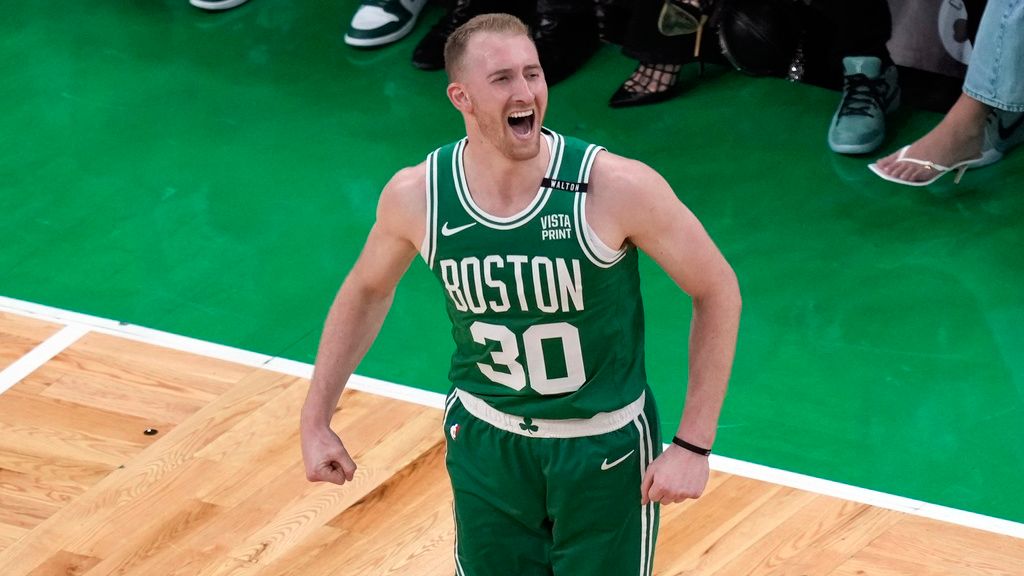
(695, 449)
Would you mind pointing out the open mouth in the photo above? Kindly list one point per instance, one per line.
(522, 122)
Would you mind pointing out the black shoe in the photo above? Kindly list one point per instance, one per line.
(637, 89)
(612, 20)
(429, 52)
(564, 42)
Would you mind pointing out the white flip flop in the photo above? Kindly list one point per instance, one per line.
(988, 156)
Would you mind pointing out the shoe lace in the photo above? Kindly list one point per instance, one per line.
(862, 96)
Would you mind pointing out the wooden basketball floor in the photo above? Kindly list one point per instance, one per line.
(219, 489)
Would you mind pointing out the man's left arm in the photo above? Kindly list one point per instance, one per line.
(635, 204)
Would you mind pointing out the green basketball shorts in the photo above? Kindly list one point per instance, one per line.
(551, 497)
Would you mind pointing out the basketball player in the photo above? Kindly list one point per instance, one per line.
(552, 436)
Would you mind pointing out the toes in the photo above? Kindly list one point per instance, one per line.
(903, 171)
(886, 163)
(912, 173)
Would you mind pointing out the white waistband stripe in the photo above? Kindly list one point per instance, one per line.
(600, 423)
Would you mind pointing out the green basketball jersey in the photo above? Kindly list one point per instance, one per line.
(547, 320)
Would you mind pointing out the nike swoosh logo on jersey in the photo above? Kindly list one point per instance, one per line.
(606, 465)
(1006, 131)
(446, 231)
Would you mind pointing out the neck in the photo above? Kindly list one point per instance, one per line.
(501, 185)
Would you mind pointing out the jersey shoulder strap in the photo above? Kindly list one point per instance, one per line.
(438, 183)
(576, 163)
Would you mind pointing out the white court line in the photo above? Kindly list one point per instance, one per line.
(865, 496)
(133, 332)
(40, 355)
(364, 384)
(85, 323)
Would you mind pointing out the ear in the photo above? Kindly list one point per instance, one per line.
(459, 98)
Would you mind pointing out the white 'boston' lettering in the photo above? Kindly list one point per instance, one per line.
(570, 286)
(450, 277)
(478, 287)
(517, 263)
(472, 285)
(547, 281)
(502, 304)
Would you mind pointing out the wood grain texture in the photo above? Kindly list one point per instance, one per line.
(76, 420)
(909, 548)
(10, 534)
(65, 564)
(221, 490)
(20, 334)
(137, 379)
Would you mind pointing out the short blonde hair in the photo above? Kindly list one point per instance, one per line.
(455, 46)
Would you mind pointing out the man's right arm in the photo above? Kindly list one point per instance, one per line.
(355, 319)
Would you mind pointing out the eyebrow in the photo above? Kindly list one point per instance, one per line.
(529, 68)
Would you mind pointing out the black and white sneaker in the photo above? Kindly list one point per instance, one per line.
(379, 22)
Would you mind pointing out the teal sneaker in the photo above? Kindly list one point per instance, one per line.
(869, 93)
(1004, 130)
(379, 22)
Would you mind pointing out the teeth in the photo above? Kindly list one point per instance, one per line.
(523, 114)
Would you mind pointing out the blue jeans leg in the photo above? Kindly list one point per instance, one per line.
(995, 75)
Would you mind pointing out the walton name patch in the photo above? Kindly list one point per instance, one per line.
(563, 185)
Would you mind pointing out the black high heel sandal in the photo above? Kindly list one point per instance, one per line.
(636, 90)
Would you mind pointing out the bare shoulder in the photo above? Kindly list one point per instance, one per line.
(639, 206)
(616, 177)
(624, 194)
(402, 208)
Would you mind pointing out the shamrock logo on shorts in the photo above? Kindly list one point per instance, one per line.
(529, 426)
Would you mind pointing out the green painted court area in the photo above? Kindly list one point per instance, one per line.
(214, 175)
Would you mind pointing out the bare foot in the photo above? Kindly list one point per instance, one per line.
(958, 137)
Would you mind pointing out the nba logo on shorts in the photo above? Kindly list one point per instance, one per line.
(454, 431)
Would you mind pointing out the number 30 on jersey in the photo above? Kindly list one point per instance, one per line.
(508, 356)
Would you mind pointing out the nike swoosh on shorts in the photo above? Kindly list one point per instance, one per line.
(607, 465)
